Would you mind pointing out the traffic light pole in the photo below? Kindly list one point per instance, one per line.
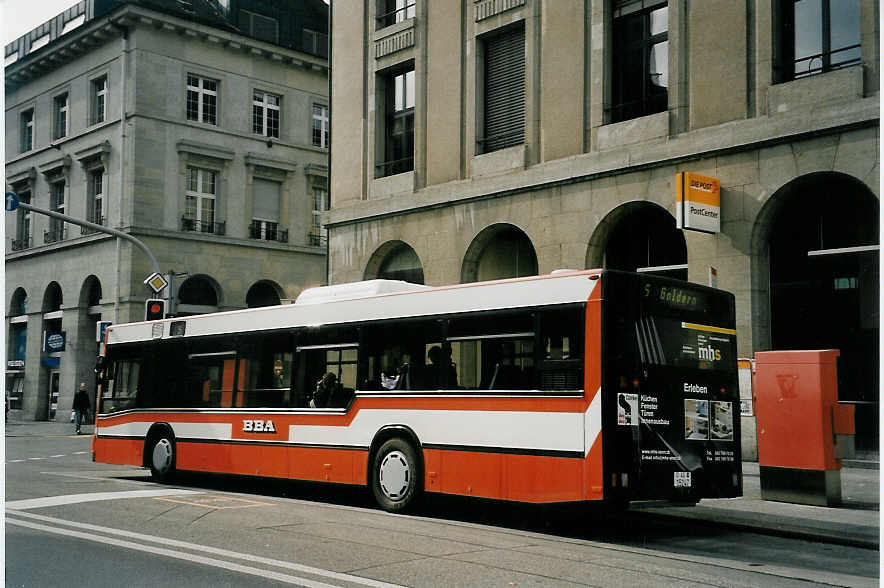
(95, 227)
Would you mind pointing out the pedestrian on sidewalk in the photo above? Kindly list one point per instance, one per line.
(81, 405)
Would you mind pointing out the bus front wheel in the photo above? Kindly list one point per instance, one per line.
(162, 458)
(396, 475)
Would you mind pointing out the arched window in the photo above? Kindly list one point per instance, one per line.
(395, 260)
(642, 237)
(19, 304)
(499, 251)
(263, 293)
(197, 295)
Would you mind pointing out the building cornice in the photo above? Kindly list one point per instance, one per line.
(101, 30)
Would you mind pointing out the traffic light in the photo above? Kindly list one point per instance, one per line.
(154, 309)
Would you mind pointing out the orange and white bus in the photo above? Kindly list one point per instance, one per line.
(575, 386)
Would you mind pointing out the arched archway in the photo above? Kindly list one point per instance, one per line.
(17, 345)
(498, 252)
(198, 295)
(816, 282)
(90, 295)
(639, 236)
(263, 293)
(18, 304)
(395, 260)
(52, 298)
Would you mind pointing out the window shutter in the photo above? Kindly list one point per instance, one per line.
(266, 200)
(505, 90)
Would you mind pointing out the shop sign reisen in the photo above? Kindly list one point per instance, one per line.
(697, 203)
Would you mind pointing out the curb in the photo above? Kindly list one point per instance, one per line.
(783, 529)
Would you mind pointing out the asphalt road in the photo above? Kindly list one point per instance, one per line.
(72, 522)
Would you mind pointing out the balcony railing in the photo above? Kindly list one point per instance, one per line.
(317, 240)
(21, 244)
(258, 230)
(197, 226)
(54, 235)
(89, 230)
(396, 166)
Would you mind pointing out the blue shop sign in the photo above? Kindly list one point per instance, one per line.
(50, 362)
(54, 342)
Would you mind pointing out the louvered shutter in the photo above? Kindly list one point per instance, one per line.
(266, 206)
(505, 90)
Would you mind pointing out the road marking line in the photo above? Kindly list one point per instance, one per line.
(80, 452)
(175, 554)
(206, 502)
(36, 458)
(343, 577)
(91, 497)
(15, 461)
(58, 456)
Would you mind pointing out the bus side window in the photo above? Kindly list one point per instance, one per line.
(122, 385)
(209, 379)
(561, 349)
(398, 356)
(265, 371)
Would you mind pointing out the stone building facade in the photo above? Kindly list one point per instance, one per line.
(199, 128)
(479, 139)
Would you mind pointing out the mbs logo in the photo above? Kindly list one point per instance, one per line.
(709, 353)
(258, 426)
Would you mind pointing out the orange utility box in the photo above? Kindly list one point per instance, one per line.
(802, 430)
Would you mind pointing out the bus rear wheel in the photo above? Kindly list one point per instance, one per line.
(162, 458)
(396, 476)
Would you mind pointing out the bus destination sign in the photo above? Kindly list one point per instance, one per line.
(674, 297)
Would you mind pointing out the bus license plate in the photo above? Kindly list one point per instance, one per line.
(682, 480)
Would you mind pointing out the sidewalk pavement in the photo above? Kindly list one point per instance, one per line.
(856, 522)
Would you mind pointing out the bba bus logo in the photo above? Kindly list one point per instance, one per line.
(258, 426)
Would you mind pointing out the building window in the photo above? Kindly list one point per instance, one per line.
(816, 36)
(320, 126)
(318, 233)
(99, 100)
(504, 90)
(202, 99)
(56, 204)
(260, 27)
(265, 211)
(27, 130)
(641, 61)
(315, 42)
(60, 113)
(94, 212)
(398, 98)
(199, 203)
(393, 11)
(265, 114)
(22, 238)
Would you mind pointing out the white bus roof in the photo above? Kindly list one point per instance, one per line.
(370, 301)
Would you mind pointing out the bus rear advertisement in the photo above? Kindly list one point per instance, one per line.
(592, 385)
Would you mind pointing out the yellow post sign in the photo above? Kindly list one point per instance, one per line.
(697, 202)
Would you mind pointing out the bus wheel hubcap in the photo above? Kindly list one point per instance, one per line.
(394, 475)
(162, 455)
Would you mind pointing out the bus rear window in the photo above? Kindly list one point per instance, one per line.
(676, 343)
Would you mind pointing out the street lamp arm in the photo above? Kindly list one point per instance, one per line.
(95, 227)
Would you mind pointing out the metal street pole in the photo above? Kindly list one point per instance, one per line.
(97, 228)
